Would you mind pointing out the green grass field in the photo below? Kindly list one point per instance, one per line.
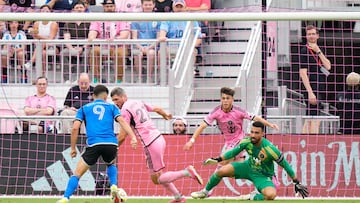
(77, 200)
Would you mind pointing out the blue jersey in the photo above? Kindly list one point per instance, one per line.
(175, 29)
(145, 29)
(99, 118)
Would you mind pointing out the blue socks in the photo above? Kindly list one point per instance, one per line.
(112, 173)
(71, 187)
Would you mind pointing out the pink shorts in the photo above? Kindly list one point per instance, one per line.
(155, 155)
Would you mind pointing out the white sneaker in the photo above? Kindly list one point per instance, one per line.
(199, 195)
(28, 66)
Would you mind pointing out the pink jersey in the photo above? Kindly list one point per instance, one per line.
(230, 124)
(197, 3)
(128, 6)
(136, 113)
(107, 30)
(40, 102)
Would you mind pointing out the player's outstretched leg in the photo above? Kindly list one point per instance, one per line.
(202, 194)
(194, 174)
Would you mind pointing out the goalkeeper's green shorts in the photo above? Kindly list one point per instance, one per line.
(243, 171)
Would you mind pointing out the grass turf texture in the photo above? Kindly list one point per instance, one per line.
(97, 200)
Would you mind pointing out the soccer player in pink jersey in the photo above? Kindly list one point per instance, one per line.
(229, 119)
(136, 113)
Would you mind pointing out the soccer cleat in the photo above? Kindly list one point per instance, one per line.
(63, 200)
(182, 199)
(194, 174)
(113, 193)
(199, 195)
(249, 196)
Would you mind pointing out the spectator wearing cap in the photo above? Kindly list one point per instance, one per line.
(179, 126)
(175, 29)
(109, 31)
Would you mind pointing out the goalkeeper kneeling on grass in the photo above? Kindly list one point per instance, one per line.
(259, 168)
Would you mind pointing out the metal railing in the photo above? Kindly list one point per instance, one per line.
(288, 124)
(60, 65)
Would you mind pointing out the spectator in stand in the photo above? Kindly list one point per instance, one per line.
(179, 126)
(109, 31)
(348, 105)
(40, 104)
(2, 23)
(75, 30)
(86, 3)
(44, 30)
(163, 6)
(128, 6)
(145, 30)
(77, 96)
(13, 52)
(28, 25)
(199, 6)
(314, 69)
(20, 5)
(61, 5)
(175, 29)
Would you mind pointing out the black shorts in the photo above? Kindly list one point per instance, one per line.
(108, 153)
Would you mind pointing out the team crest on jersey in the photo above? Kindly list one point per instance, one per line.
(262, 155)
(231, 126)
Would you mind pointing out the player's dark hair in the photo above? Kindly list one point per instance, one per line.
(258, 124)
(312, 27)
(98, 89)
(117, 91)
(227, 91)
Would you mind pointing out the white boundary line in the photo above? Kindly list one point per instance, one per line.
(166, 197)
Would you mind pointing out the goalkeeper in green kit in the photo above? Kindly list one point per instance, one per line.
(259, 168)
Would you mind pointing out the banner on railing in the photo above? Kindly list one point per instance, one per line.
(40, 164)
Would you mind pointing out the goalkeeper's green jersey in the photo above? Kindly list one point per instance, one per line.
(261, 159)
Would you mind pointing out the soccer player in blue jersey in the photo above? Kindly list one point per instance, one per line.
(258, 168)
(101, 140)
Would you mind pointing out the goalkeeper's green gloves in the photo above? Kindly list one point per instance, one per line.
(210, 161)
(301, 189)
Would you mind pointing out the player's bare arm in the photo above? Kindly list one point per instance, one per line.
(74, 137)
(126, 127)
(162, 113)
(197, 133)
